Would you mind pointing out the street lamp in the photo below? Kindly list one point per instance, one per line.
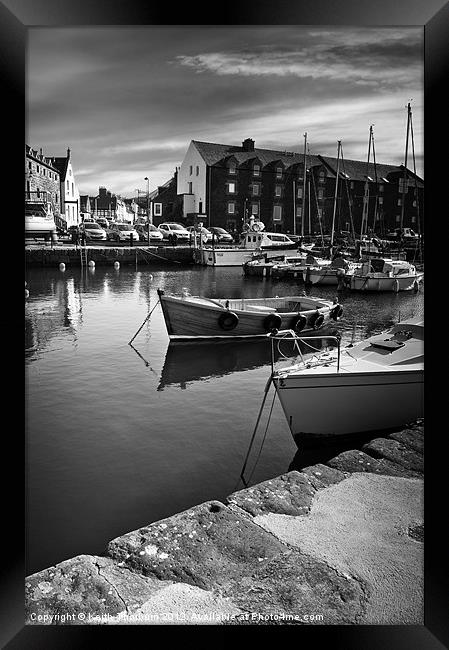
(148, 207)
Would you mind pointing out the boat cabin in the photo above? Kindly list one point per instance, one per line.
(387, 267)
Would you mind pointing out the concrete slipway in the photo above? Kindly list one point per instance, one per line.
(340, 543)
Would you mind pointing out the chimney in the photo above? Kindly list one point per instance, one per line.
(248, 145)
(68, 153)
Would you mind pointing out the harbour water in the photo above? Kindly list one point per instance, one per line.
(120, 436)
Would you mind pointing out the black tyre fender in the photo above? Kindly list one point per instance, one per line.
(316, 320)
(299, 323)
(336, 312)
(228, 320)
(272, 322)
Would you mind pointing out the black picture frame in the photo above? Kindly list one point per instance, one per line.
(16, 17)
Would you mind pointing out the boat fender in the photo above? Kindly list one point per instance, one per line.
(299, 323)
(395, 286)
(336, 312)
(228, 320)
(271, 322)
(416, 285)
(316, 320)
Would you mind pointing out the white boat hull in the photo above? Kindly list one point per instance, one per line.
(381, 283)
(335, 405)
(236, 256)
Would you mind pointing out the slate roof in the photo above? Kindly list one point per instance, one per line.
(357, 169)
(61, 165)
(213, 153)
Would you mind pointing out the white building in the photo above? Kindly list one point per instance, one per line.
(70, 196)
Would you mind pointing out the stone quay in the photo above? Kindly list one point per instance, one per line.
(339, 543)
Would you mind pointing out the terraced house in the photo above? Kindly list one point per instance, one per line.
(226, 184)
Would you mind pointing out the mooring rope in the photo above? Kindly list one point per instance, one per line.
(255, 430)
(129, 342)
(263, 439)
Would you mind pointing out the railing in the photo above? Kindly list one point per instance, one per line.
(282, 335)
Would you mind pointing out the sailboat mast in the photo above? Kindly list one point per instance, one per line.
(336, 192)
(304, 187)
(364, 224)
(404, 183)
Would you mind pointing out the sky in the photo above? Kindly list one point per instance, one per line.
(127, 101)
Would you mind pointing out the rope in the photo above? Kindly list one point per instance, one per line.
(255, 430)
(159, 256)
(129, 342)
(263, 439)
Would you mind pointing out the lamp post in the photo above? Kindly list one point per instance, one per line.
(148, 207)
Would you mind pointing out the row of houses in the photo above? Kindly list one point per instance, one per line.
(51, 189)
(223, 185)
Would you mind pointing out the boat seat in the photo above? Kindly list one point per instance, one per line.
(263, 308)
(388, 344)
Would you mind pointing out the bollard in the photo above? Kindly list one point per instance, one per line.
(116, 265)
(62, 266)
(91, 264)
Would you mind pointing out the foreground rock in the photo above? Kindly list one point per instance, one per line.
(337, 543)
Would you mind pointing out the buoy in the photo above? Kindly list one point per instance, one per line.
(62, 266)
(27, 293)
(116, 265)
(91, 264)
(150, 277)
(416, 285)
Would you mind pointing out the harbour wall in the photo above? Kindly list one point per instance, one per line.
(107, 256)
(338, 543)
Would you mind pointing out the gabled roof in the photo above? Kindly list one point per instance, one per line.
(212, 153)
(357, 170)
(61, 165)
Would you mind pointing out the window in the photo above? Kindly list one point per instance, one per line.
(381, 200)
(255, 209)
(256, 189)
(381, 187)
(299, 193)
(413, 219)
(70, 172)
(231, 188)
(190, 187)
(299, 211)
(277, 212)
(190, 170)
(398, 218)
(43, 171)
(320, 194)
(37, 168)
(68, 186)
(157, 209)
(232, 169)
(351, 185)
(197, 170)
(231, 208)
(73, 190)
(279, 172)
(399, 201)
(277, 190)
(256, 170)
(30, 165)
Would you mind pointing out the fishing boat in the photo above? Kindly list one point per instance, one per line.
(372, 386)
(40, 225)
(384, 274)
(198, 318)
(254, 241)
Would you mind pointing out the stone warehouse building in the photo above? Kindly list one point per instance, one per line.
(225, 184)
(42, 185)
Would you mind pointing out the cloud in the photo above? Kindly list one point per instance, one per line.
(368, 57)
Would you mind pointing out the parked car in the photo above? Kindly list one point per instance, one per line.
(222, 236)
(122, 232)
(206, 234)
(155, 233)
(103, 222)
(174, 232)
(92, 230)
